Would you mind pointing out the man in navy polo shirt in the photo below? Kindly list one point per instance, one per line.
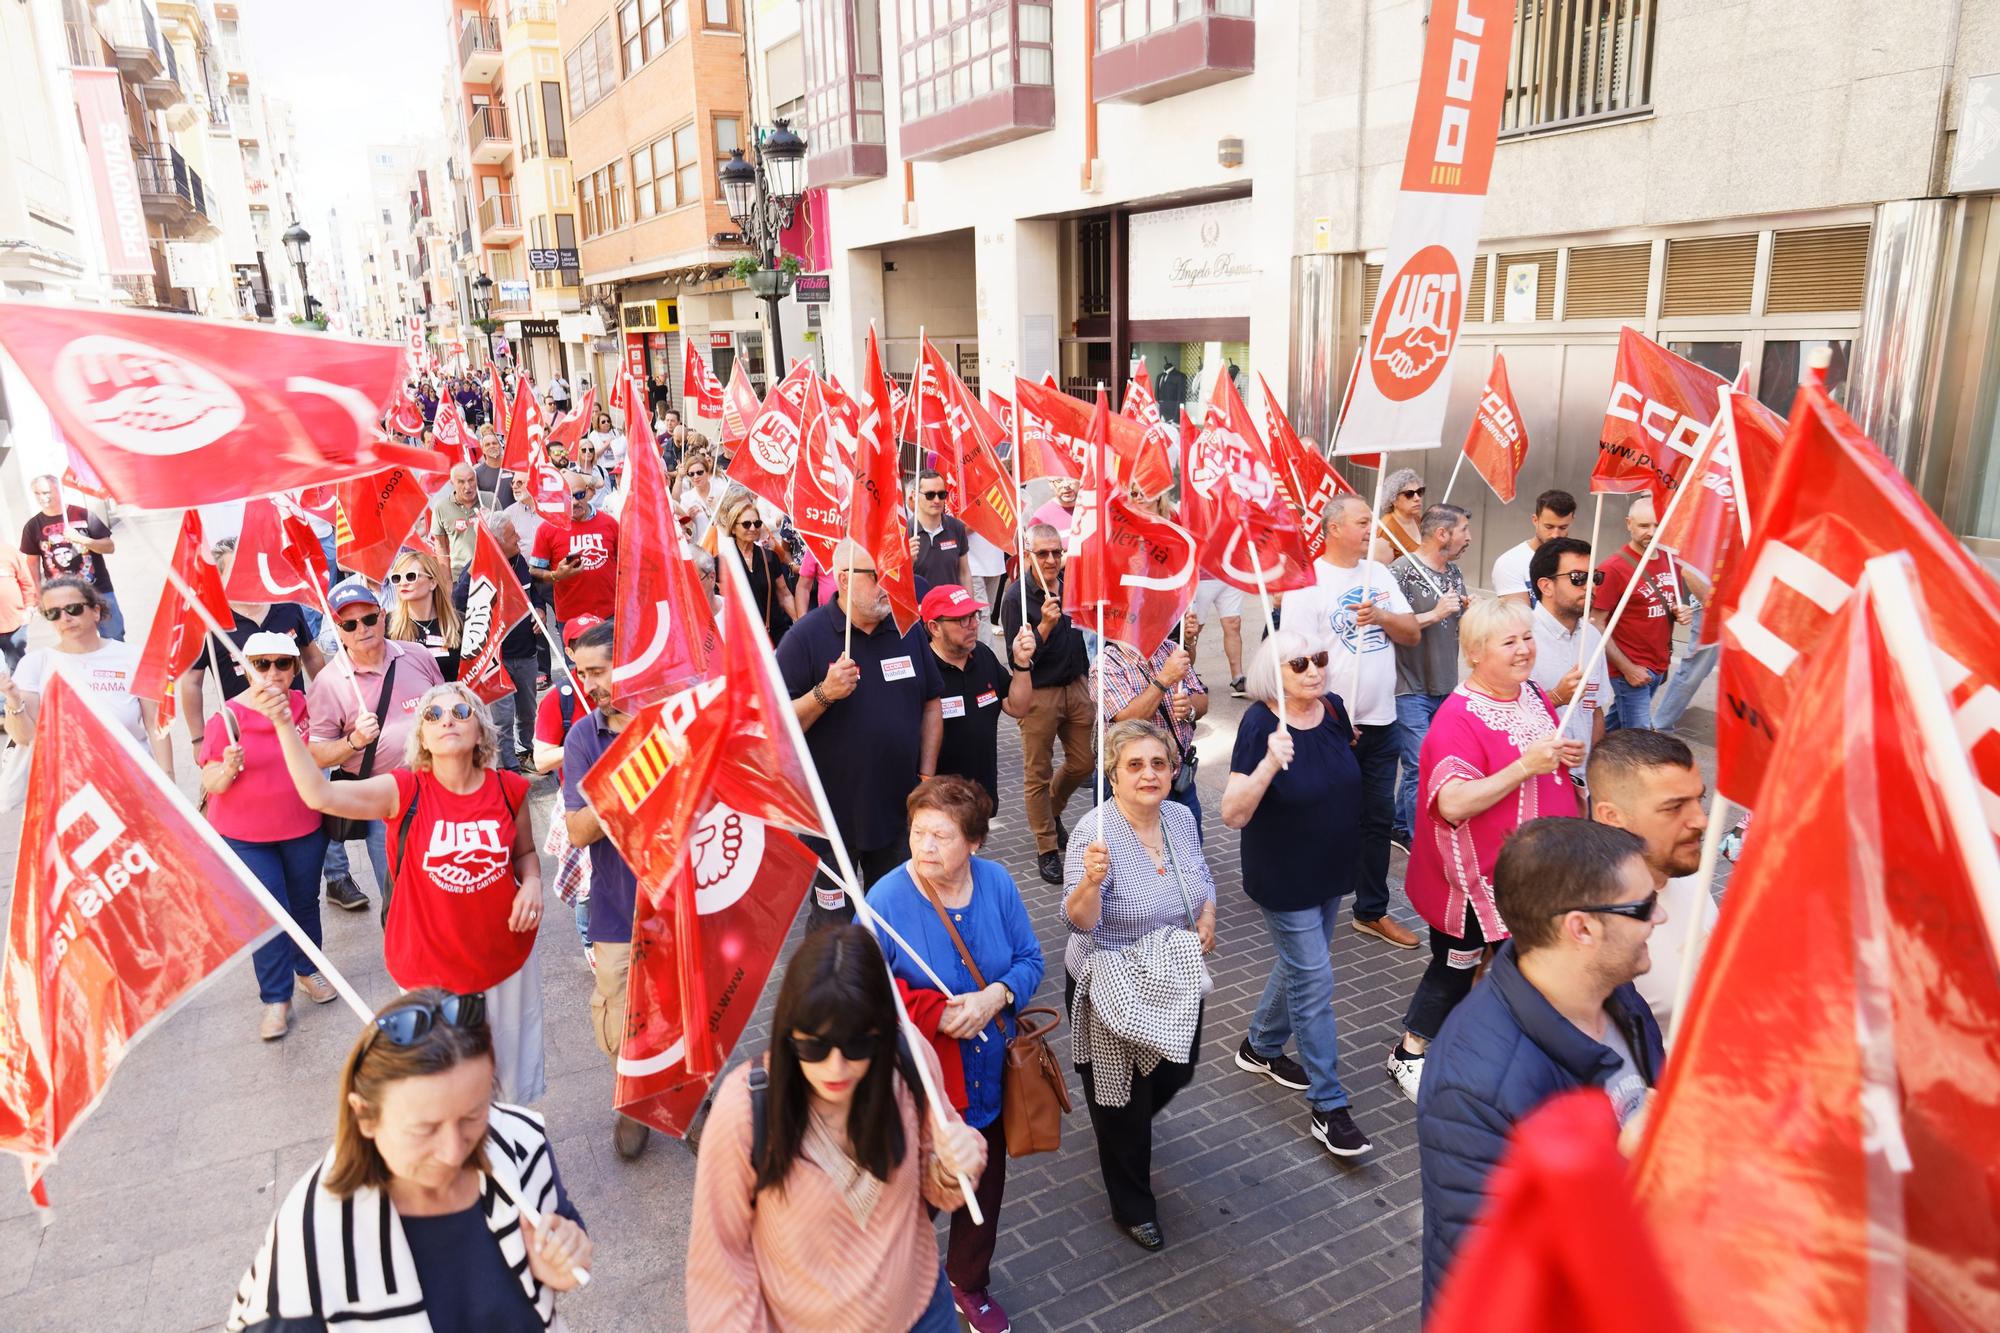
(873, 720)
(977, 688)
(613, 889)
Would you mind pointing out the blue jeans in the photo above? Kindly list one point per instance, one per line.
(290, 870)
(514, 714)
(1376, 752)
(113, 624)
(14, 647)
(1298, 999)
(1687, 678)
(1632, 705)
(941, 1315)
(1413, 714)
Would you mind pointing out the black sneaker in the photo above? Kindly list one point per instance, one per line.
(1336, 1130)
(1236, 689)
(344, 893)
(1051, 866)
(1401, 842)
(1281, 1069)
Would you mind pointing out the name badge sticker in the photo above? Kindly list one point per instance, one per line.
(898, 668)
(988, 699)
(954, 705)
(948, 544)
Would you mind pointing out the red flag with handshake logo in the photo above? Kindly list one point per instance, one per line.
(123, 905)
(170, 411)
(494, 604)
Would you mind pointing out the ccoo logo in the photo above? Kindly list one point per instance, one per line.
(143, 399)
(1416, 324)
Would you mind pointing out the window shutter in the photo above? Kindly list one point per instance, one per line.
(1545, 281)
(1709, 275)
(1821, 269)
(1371, 286)
(1608, 281)
(1475, 294)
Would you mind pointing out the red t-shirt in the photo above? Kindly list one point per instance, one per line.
(594, 542)
(549, 728)
(455, 885)
(1645, 633)
(262, 805)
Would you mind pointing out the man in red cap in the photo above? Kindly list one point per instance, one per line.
(977, 686)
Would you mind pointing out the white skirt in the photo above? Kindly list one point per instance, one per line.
(514, 1012)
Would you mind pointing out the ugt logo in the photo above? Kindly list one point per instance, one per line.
(1416, 324)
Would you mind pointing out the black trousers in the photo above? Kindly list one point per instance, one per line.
(869, 865)
(1448, 979)
(968, 1255)
(1125, 1133)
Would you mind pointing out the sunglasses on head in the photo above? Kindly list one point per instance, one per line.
(460, 710)
(812, 1050)
(413, 1022)
(367, 618)
(1578, 577)
(1411, 495)
(932, 495)
(1639, 911)
(71, 609)
(274, 663)
(1299, 664)
(408, 576)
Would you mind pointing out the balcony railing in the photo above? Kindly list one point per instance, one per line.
(1577, 61)
(478, 49)
(531, 11)
(497, 212)
(488, 133)
(167, 178)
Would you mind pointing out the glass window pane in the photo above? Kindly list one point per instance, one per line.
(925, 102)
(868, 96)
(728, 134)
(690, 184)
(961, 84)
(677, 22)
(684, 152)
(960, 44)
(1163, 14)
(1036, 65)
(977, 29)
(1035, 23)
(870, 130)
(909, 103)
(924, 61)
(982, 78)
(718, 13)
(1003, 76)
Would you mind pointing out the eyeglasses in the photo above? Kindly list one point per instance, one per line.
(812, 1050)
(751, 523)
(70, 609)
(367, 618)
(460, 710)
(1578, 577)
(1299, 664)
(274, 663)
(971, 619)
(1411, 495)
(1640, 911)
(933, 495)
(413, 1022)
(408, 576)
(1047, 555)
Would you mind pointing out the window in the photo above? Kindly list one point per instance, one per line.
(677, 20)
(524, 113)
(592, 68)
(728, 137)
(687, 166)
(552, 119)
(566, 239)
(613, 193)
(1577, 60)
(1122, 21)
(954, 52)
(644, 201)
(715, 13)
(642, 31)
(586, 205)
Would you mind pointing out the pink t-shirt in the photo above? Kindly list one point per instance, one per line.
(1055, 516)
(822, 578)
(262, 805)
(1474, 736)
(334, 706)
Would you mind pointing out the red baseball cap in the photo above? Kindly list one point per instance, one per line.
(948, 599)
(573, 629)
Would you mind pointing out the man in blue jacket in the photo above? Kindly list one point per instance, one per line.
(1557, 1011)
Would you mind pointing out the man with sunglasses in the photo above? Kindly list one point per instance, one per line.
(940, 548)
(1062, 704)
(1557, 1011)
(1554, 512)
(363, 707)
(977, 688)
(579, 562)
(1642, 642)
(1427, 672)
(1561, 575)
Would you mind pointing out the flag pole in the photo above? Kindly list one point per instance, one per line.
(885, 928)
(1020, 519)
(850, 883)
(1454, 477)
(1720, 810)
(1367, 569)
(1270, 624)
(1597, 522)
(917, 427)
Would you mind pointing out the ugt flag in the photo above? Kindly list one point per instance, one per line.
(494, 605)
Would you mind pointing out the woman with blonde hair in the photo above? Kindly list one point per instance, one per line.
(1402, 507)
(697, 491)
(764, 558)
(465, 898)
(422, 612)
(412, 1220)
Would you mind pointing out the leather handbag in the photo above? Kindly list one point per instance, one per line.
(1033, 1095)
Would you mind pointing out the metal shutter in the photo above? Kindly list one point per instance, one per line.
(1371, 285)
(1545, 280)
(1822, 269)
(1475, 295)
(1709, 275)
(1608, 281)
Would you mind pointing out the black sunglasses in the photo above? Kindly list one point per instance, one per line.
(273, 663)
(751, 523)
(933, 495)
(812, 1050)
(460, 710)
(413, 1022)
(367, 618)
(1411, 495)
(1640, 911)
(1299, 664)
(70, 609)
(1578, 577)
(579, 495)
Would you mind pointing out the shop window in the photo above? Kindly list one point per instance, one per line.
(1784, 361)
(1724, 358)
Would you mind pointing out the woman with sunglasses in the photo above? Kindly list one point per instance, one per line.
(1491, 762)
(466, 878)
(1295, 792)
(89, 661)
(697, 492)
(412, 1219)
(423, 612)
(819, 1160)
(253, 805)
(768, 563)
(1400, 515)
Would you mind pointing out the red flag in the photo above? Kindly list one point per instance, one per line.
(824, 477)
(665, 631)
(173, 411)
(1142, 407)
(1497, 444)
(381, 512)
(517, 454)
(759, 770)
(448, 431)
(1833, 502)
(498, 392)
(1308, 480)
(990, 507)
(267, 566)
(1660, 406)
(930, 426)
(123, 905)
(527, 457)
(1060, 425)
(1559, 1216)
(983, 494)
(1236, 492)
(1139, 566)
(1856, 1174)
(770, 452)
(739, 406)
(494, 605)
(1196, 509)
(699, 386)
(877, 520)
(174, 642)
(1707, 528)
(406, 414)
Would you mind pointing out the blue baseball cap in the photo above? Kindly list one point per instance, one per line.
(349, 591)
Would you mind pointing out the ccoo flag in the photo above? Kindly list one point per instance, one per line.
(1497, 444)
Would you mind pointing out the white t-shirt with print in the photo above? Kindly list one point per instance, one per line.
(1325, 612)
(107, 673)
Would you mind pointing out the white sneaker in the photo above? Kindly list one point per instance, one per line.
(1407, 1073)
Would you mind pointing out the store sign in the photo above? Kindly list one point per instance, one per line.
(1192, 263)
(514, 291)
(549, 260)
(719, 340)
(813, 288)
(190, 264)
(645, 316)
(539, 328)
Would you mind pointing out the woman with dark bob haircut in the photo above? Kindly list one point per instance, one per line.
(818, 1161)
(410, 1220)
(941, 898)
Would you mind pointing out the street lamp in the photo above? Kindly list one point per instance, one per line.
(298, 248)
(762, 198)
(482, 297)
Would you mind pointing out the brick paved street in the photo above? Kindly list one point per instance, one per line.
(161, 1198)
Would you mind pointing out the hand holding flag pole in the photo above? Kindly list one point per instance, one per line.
(1368, 572)
(884, 928)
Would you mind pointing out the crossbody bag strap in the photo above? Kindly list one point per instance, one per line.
(937, 905)
(381, 702)
(1187, 899)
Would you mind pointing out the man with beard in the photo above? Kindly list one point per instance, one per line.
(1646, 782)
(613, 889)
(580, 562)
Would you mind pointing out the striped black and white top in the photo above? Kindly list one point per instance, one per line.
(1138, 896)
(347, 1262)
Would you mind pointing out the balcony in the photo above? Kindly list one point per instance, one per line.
(487, 133)
(499, 220)
(1152, 49)
(136, 45)
(171, 192)
(531, 11)
(478, 50)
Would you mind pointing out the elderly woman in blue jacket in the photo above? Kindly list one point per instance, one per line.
(1557, 1011)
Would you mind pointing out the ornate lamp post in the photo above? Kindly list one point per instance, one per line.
(298, 249)
(482, 297)
(762, 198)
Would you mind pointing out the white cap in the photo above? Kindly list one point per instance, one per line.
(268, 643)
